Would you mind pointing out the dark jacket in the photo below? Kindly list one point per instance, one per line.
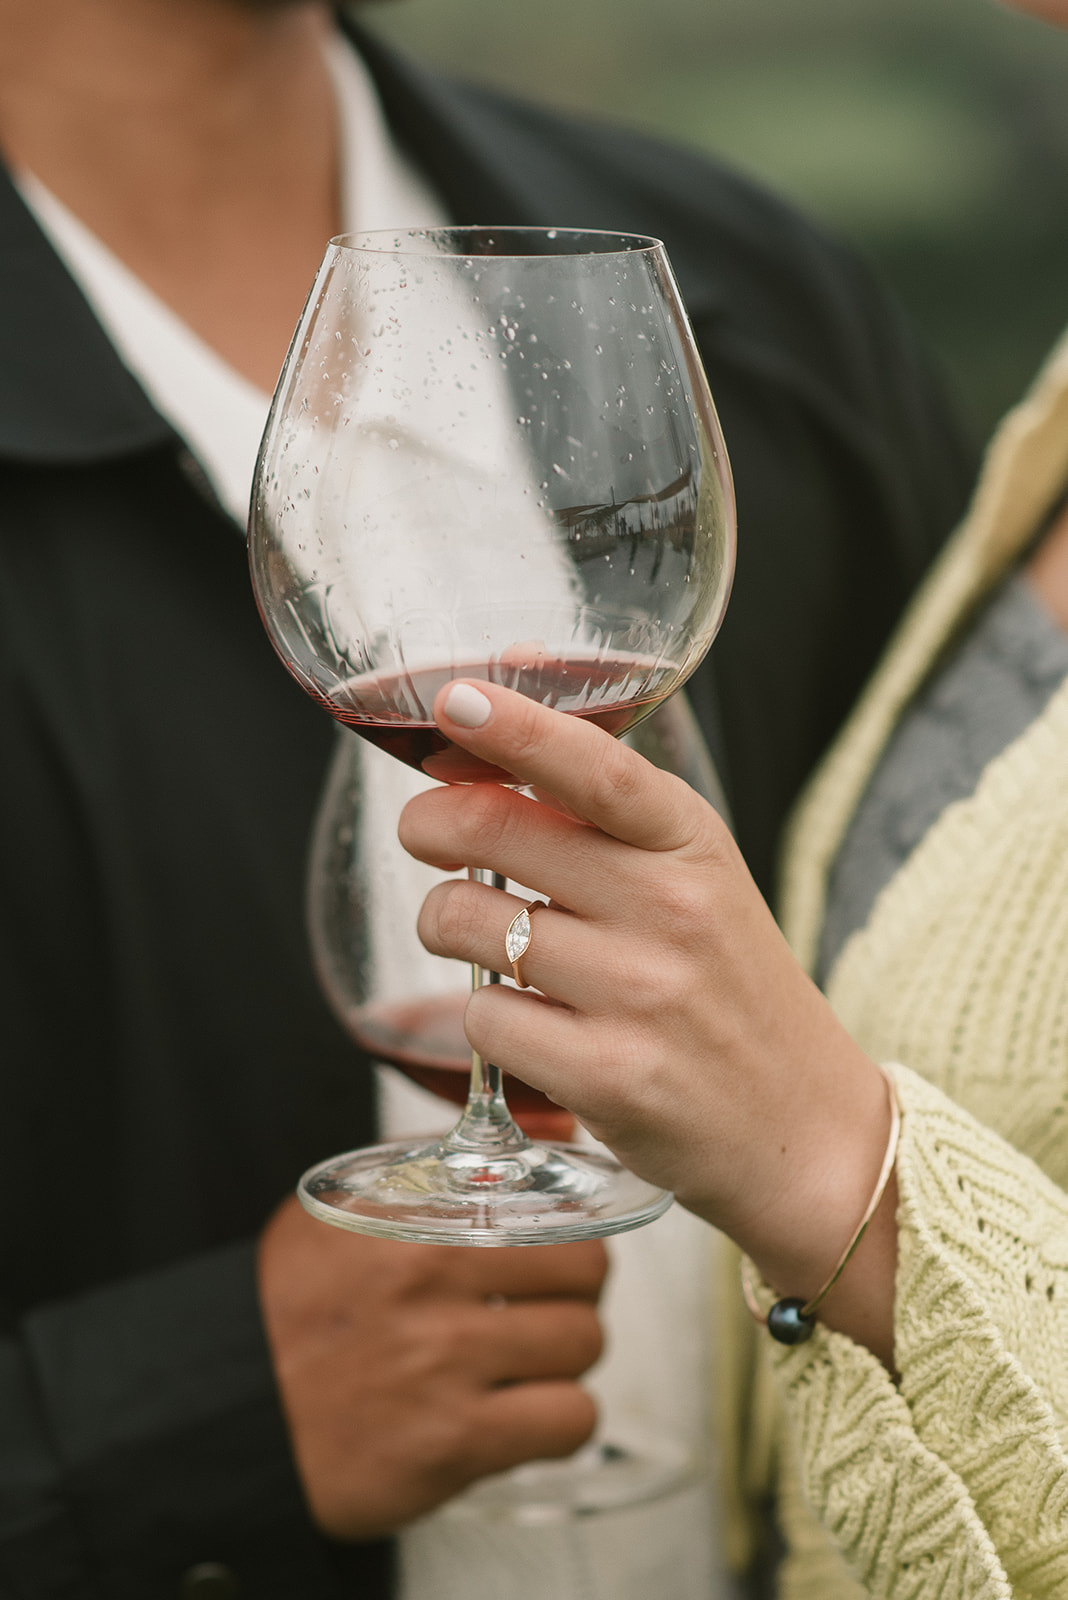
(168, 1067)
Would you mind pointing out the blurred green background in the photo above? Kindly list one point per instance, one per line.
(932, 133)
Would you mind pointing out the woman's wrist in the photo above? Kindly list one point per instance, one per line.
(831, 1160)
(791, 1319)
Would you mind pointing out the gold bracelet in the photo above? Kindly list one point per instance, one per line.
(792, 1320)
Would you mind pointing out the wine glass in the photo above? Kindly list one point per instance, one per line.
(492, 453)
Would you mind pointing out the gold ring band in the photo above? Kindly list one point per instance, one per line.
(517, 940)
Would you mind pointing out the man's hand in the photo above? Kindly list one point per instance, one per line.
(407, 1371)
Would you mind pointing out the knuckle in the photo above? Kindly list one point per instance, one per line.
(457, 914)
(643, 986)
(683, 905)
(714, 846)
(448, 1343)
(443, 1346)
(487, 818)
(572, 1337)
(669, 992)
(413, 1271)
(448, 1450)
(530, 736)
(613, 775)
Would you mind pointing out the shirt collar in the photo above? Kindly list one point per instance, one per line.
(64, 393)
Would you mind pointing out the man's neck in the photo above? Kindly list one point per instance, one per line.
(196, 138)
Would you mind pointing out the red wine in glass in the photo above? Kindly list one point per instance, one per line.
(424, 1038)
(392, 709)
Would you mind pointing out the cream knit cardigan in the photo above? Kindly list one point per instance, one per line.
(953, 1484)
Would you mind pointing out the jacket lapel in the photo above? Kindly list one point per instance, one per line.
(64, 394)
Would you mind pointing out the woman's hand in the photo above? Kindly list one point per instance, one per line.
(672, 1019)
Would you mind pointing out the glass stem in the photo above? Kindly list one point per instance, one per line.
(487, 1121)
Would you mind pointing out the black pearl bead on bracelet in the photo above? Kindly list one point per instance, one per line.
(788, 1323)
(791, 1320)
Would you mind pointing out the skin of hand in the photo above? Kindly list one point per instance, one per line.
(408, 1371)
(672, 1018)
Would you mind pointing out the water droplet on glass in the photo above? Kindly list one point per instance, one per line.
(394, 444)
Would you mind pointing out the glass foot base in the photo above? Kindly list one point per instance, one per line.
(434, 1193)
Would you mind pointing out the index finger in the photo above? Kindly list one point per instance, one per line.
(598, 779)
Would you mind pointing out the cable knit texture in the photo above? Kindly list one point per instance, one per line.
(953, 1483)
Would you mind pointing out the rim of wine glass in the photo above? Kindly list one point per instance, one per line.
(373, 242)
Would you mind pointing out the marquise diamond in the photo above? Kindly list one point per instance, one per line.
(518, 936)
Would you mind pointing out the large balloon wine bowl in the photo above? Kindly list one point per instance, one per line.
(492, 454)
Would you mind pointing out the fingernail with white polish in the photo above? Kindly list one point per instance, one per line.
(467, 706)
